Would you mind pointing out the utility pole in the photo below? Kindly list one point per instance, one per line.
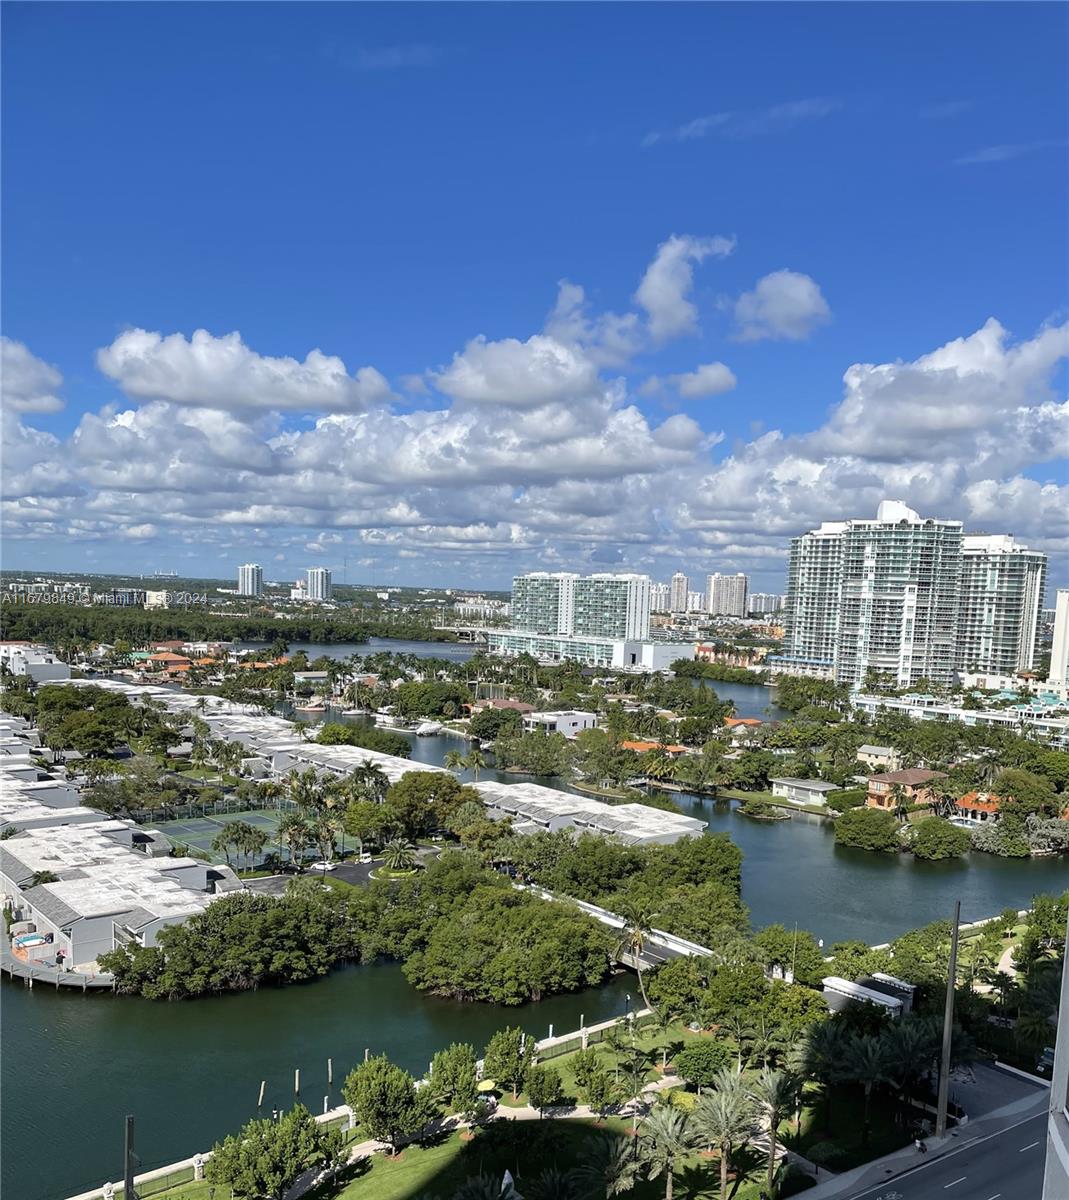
(948, 1028)
(128, 1160)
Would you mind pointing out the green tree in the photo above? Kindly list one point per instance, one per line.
(267, 1157)
(724, 1119)
(453, 761)
(935, 838)
(509, 1055)
(602, 1092)
(452, 1076)
(867, 829)
(775, 1093)
(385, 1101)
(399, 855)
(544, 1087)
(638, 925)
(608, 1167)
(666, 1138)
(701, 1060)
(475, 761)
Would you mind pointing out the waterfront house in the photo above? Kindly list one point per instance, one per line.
(567, 722)
(910, 785)
(802, 791)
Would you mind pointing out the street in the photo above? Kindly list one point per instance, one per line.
(1002, 1166)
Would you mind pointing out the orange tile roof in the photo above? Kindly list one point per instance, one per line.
(731, 722)
(166, 656)
(983, 802)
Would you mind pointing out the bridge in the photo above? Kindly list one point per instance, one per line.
(473, 634)
(660, 947)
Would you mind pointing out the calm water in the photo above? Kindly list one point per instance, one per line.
(454, 651)
(73, 1065)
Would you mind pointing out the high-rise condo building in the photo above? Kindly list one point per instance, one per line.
(725, 595)
(1002, 586)
(543, 602)
(612, 606)
(660, 597)
(876, 596)
(1058, 675)
(250, 580)
(320, 585)
(606, 605)
(678, 589)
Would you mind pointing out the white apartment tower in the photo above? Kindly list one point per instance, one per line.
(677, 593)
(1058, 676)
(320, 585)
(605, 605)
(725, 595)
(250, 580)
(1002, 587)
(542, 602)
(879, 596)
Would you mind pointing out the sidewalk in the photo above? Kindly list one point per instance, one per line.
(882, 1170)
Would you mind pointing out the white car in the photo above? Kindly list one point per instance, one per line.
(323, 866)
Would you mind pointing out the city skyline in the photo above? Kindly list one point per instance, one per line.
(693, 377)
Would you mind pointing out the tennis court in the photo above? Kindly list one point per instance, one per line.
(200, 832)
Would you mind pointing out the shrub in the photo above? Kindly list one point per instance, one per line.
(867, 829)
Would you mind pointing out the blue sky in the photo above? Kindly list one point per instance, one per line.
(772, 192)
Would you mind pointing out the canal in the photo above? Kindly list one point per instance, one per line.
(73, 1065)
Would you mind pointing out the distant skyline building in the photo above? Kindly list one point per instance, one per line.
(764, 602)
(725, 595)
(320, 584)
(910, 599)
(696, 602)
(660, 597)
(678, 589)
(1002, 586)
(250, 580)
(564, 603)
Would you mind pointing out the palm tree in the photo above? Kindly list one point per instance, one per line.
(554, 1184)
(399, 855)
(724, 1119)
(775, 1093)
(663, 1022)
(374, 780)
(635, 1065)
(1033, 1028)
(667, 1135)
(868, 1062)
(638, 925)
(453, 761)
(824, 1053)
(294, 830)
(608, 1166)
(326, 830)
(899, 802)
(223, 842)
(475, 762)
(742, 1032)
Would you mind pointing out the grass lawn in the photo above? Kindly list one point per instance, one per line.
(438, 1171)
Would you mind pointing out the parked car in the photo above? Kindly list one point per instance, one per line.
(323, 866)
(1045, 1066)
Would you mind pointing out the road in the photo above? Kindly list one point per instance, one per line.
(1002, 1166)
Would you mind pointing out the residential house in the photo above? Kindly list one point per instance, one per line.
(910, 785)
(802, 791)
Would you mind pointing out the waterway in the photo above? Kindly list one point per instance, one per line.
(73, 1065)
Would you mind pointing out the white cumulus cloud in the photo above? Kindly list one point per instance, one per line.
(222, 372)
(29, 385)
(665, 288)
(784, 304)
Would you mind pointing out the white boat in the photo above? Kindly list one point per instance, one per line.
(428, 728)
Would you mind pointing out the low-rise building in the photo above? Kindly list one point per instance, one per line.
(567, 722)
(589, 650)
(33, 662)
(911, 786)
(802, 791)
(879, 758)
(1042, 714)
